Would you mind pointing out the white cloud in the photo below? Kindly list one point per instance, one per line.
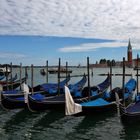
(87, 47)
(109, 19)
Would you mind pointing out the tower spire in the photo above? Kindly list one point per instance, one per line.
(129, 53)
(129, 46)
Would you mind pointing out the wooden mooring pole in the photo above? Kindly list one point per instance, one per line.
(59, 76)
(11, 75)
(26, 75)
(7, 77)
(88, 77)
(92, 72)
(137, 74)
(67, 73)
(32, 78)
(47, 71)
(123, 82)
(20, 74)
(110, 75)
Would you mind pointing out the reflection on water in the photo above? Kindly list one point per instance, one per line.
(52, 125)
(94, 127)
(131, 132)
(23, 124)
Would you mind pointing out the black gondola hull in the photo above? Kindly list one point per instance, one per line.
(35, 105)
(11, 103)
(130, 118)
(127, 117)
(14, 85)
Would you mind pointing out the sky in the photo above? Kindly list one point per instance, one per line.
(33, 31)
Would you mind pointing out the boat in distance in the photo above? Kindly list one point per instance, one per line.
(62, 70)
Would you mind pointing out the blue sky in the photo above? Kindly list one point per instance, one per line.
(33, 31)
(37, 49)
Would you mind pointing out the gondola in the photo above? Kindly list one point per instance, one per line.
(104, 104)
(9, 80)
(43, 72)
(2, 77)
(7, 100)
(13, 78)
(58, 102)
(4, 71)
(13, 85)
(62, 70)
(131, 113)
(74, 88)
(50, 88)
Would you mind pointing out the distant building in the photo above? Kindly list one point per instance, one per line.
(130, 62)
(129, 54)
(98, 65)
(135, 62)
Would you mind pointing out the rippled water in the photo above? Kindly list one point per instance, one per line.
(54, 125)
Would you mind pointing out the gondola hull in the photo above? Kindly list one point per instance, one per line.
(129, 117)
(47, 86)
(58, 102)
(14, 85)
(99, 109)
(9, 81)
(102, 104)
(35, 105)
(55, 102)
(92, 109)
(11, 103)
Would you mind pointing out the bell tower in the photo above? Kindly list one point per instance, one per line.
(129, 53)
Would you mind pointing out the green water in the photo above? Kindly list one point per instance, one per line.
(54, 125)
(22, 124)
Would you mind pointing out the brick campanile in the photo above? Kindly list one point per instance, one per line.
(129, 53)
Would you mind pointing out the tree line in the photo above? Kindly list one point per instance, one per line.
(108, 62)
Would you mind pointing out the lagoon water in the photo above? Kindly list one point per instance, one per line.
(21, 124)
